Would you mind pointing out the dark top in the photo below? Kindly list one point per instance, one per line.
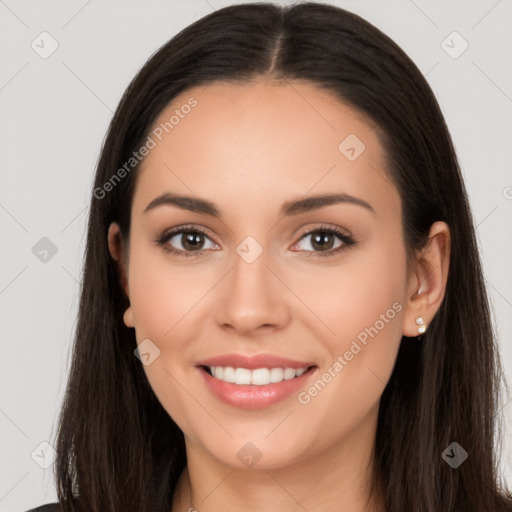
(49, 507)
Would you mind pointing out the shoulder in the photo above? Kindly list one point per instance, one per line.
(49, 507)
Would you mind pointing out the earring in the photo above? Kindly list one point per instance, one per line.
(422, 327)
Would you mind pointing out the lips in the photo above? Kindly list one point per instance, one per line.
(262, 394)
(254, 362)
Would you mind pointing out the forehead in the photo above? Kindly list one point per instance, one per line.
(262, 142)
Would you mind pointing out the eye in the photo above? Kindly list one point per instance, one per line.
(322, 241)
(190, 241)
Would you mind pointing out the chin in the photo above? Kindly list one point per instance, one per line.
(258, 453)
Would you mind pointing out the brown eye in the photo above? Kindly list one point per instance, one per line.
(191, 240)
(185, 241)
(322, 241)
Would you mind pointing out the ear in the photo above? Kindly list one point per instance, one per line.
(117, 250)
(426, 285)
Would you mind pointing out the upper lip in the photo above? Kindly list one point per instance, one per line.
(253, 362)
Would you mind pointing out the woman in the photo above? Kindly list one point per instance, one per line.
(283, 305)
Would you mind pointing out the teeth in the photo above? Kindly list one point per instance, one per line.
(258, 377)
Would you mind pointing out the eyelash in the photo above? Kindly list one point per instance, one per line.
(166, 236)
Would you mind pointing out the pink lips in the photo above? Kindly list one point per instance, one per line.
(254, 362)
(248, 396)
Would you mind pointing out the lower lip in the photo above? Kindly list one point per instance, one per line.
(251, 396)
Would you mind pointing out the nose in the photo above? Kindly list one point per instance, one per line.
(252, 299)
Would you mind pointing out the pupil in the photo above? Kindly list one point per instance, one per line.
(193, 240)
(322, 241)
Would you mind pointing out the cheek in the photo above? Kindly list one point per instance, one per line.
(358, 316)
(363, 288)
(169, 308)
(162, 297)
(161, 293)
(375, 311)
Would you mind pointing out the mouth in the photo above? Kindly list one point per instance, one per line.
(256, 377)
(256, 382)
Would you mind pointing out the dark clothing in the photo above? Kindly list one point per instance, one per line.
(49, 507)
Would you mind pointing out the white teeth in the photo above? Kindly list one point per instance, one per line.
(229, 374)
(289, 373)
(257, 377)
(260, 377)
(242, 376)
(276, 374)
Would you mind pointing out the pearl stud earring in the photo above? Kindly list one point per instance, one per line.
(422, 327)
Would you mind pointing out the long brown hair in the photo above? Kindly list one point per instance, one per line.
(118, 449)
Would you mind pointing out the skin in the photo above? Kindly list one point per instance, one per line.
(249, 149)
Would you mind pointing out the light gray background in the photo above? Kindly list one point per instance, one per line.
(55, 113)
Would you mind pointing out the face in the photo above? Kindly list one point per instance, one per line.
(263, 269)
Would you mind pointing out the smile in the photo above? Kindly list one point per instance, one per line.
(257, 377)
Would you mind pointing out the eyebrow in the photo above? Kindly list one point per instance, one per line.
(294, 207)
